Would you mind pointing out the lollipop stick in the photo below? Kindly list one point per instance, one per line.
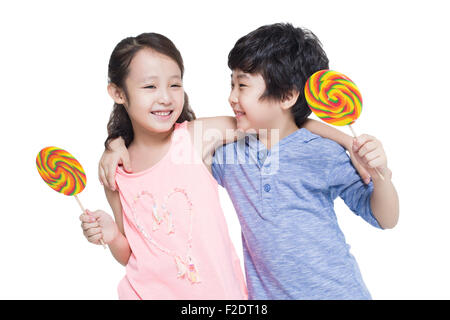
(353, 131)
(354, 135)
(82, 209)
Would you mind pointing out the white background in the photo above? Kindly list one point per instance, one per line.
(53, 76)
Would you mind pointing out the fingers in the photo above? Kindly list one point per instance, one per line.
(98, 214)
(362, 139)
(88, 222)
(95, 239)
(110, 160)
(363, 173)
(92, 232)
(91, 229)
(124, 159)
(106, 170)
(102, 176)
(126, 162)
(365, 144)
(93, 214)
(87, 218)
(369, 151)
(367, 147)
(111, 175)
(377, 162)
(108, 176)
(86, 225)
(101, 170)
(371, 155)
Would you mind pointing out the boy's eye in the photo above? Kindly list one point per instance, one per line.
(241, 85)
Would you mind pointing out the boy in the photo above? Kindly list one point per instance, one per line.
(293, 247)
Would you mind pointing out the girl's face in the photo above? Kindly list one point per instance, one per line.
(155, 95)
(250, 111)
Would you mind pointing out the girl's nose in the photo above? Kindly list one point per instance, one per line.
(164, 96)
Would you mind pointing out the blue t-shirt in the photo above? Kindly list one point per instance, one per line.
(293, 246)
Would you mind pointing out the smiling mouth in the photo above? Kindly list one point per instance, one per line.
(162, 113)
(239, 114)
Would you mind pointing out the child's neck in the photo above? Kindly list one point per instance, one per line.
(276, 132)
(144, 140)
(148, 148)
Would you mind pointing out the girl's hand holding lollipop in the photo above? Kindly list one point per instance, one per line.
(62, 172)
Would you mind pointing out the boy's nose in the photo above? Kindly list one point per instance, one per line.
(233, 99)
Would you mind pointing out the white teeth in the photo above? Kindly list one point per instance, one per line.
(162, 113)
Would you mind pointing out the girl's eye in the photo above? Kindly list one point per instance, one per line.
(241, 85)
(150, 87)
(176, 86)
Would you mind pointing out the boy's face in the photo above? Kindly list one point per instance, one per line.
(250, 111)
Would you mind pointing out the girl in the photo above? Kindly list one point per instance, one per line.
(169, 230)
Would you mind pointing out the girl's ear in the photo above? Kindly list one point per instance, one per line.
(290, 100)
(116, 93)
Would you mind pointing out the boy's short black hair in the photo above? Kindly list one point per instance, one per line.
(285, 56)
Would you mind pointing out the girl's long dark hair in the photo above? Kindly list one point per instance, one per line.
(119, 124)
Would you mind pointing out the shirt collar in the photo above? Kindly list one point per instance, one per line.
(300, 135)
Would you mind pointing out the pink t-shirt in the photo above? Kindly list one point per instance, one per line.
(180, 246)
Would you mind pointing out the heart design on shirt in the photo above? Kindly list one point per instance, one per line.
(164, 214)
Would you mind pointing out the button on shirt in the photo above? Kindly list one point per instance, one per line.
(293, 246)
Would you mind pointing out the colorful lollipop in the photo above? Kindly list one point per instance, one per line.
(334, 98)
(62, 172)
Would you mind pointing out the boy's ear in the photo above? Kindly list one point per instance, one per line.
(116, 93)
(290, 99)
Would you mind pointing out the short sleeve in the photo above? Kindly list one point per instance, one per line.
(217, 166)
(345, 182)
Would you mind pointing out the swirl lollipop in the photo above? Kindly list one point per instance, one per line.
(62, 172)
(334, 98)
